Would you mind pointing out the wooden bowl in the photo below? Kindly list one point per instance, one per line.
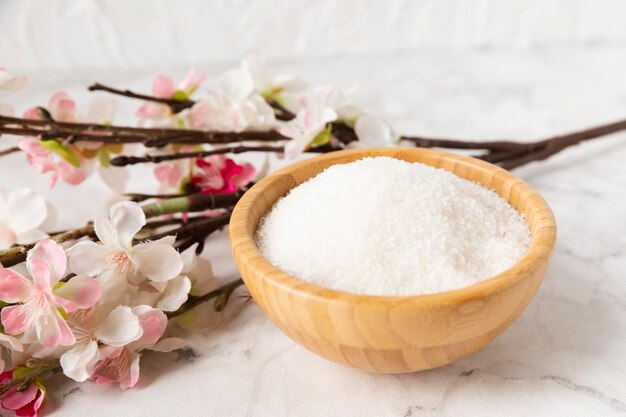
(392, 334)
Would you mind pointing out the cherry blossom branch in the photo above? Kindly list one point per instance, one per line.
(192, 228)
(113, 134)
(17, 254)
(221, 295)
(10, 150)
(175, 105)
(38, 369)
(191, 203)
(131, 160)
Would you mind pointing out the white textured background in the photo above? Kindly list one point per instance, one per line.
(59, 34)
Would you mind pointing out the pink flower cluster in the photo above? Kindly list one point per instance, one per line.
(216, 174)
(96, 306)
(72, 163)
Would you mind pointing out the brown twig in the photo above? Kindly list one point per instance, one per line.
(193, 229)
(192, 203)
(10, 150)
(131, 160)
(113, 134)
(221, 295)
(17, 254)
(174, 105)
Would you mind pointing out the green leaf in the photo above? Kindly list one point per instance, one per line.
(322, 138)
(180, 95)
(63, 151)
(104, 157)
(21, 371)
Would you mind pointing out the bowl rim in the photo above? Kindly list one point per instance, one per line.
(541, 246)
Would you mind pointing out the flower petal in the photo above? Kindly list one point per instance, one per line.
(88, 258)
(16, 319)
(9, 81)
(373, 131)
(53, 255)
(132, 377)
(52, 330)
(188, 256)
(114, 177)
(236, 84)
(119, 328)
(40, 273)
(128, 218)
(13, 286)
(11, 342)
(25, 209)
(106, 232)
(79, 362)
(163, 87)
(101, 110)
(62, 107)
(153, 322)
(78, 293)
(175, 294)
(30, 236)
(158, 262)
(14, 400)
(30, 409)
(169, 344)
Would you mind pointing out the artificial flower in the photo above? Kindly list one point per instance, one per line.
(22, 213)
(117, 327)
(41, 299)
(269, 86)
(164, 87)
(372, 131)
(10, 82)
(204, 316)
(234, 107)
(25, 402)
(310, 121)
(116, 257)
(217, 174)
(11, 344)
(64, 162)
(120, 365)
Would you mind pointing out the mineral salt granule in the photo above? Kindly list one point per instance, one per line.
(382, 226)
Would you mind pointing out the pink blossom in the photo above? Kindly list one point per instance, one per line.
(98, 325)
(56, 159)
(9, 81)
(45, 160)
(234, 107)
(164, 87)
(39, 303)
(169, 175)
(219, 175)
(24, 403)
(311, 120)
(120, 365)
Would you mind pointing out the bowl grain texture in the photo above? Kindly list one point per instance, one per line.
(400, 333)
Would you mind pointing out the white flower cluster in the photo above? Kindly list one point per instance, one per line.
(99, 311)
(243, 101)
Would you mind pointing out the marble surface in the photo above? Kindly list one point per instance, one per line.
(563, 356)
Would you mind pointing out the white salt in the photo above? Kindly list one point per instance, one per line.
(382, 226)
